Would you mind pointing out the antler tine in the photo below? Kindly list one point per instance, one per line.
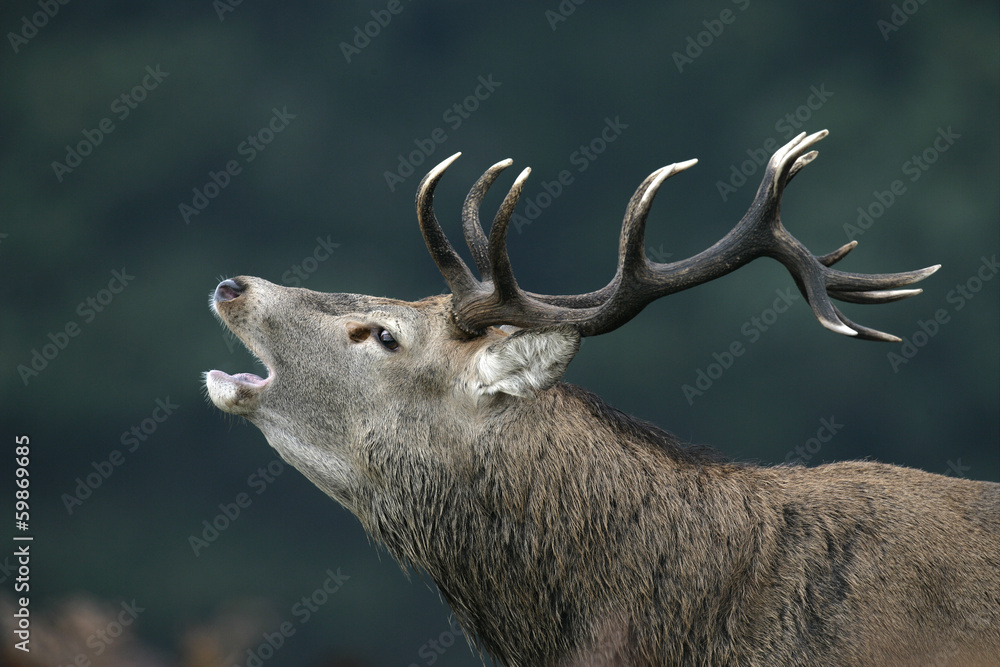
(636, 199)
(811, 282)
(837, 255)
(502, 273)
(887, 296)
(789, 160)
(454, 270)
(632, 259)
(802, 161)
(598, 297)
(632, 244)
(864, 333)
(855, 293)
(839, 281)
(474, 236)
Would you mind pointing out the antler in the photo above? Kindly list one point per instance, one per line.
(497, 298)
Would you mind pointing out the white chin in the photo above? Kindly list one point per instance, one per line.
(236, 394)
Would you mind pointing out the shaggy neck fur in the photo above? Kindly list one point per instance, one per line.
(560, 527)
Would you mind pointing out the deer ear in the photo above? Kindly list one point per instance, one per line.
(526, 362)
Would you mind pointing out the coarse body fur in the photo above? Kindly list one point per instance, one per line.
(648, 554)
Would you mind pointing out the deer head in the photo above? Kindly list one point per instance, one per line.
(443, 426)
(342, 366)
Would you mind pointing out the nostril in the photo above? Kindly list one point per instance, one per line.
(228, 290)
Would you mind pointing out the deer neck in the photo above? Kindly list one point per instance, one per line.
(518, 525)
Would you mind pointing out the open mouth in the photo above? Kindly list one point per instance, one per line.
(239, 393)
(236, 394)
(250, 381)
(248, 378)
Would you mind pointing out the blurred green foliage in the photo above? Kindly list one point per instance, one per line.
(684, 80)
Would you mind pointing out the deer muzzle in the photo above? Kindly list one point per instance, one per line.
(237, 394)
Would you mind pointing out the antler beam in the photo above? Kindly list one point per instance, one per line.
(497, 298)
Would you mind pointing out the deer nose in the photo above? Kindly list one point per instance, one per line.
(228, 290)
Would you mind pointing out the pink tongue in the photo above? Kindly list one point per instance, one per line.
(249, 378)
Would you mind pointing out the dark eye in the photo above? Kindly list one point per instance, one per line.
(388, 342)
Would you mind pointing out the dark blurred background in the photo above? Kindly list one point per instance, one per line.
(114, 114)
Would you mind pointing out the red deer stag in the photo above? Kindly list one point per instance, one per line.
(564, 532)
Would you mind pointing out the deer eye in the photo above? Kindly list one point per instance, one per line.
(388, 342)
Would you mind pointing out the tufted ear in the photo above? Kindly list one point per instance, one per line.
(526, 362)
